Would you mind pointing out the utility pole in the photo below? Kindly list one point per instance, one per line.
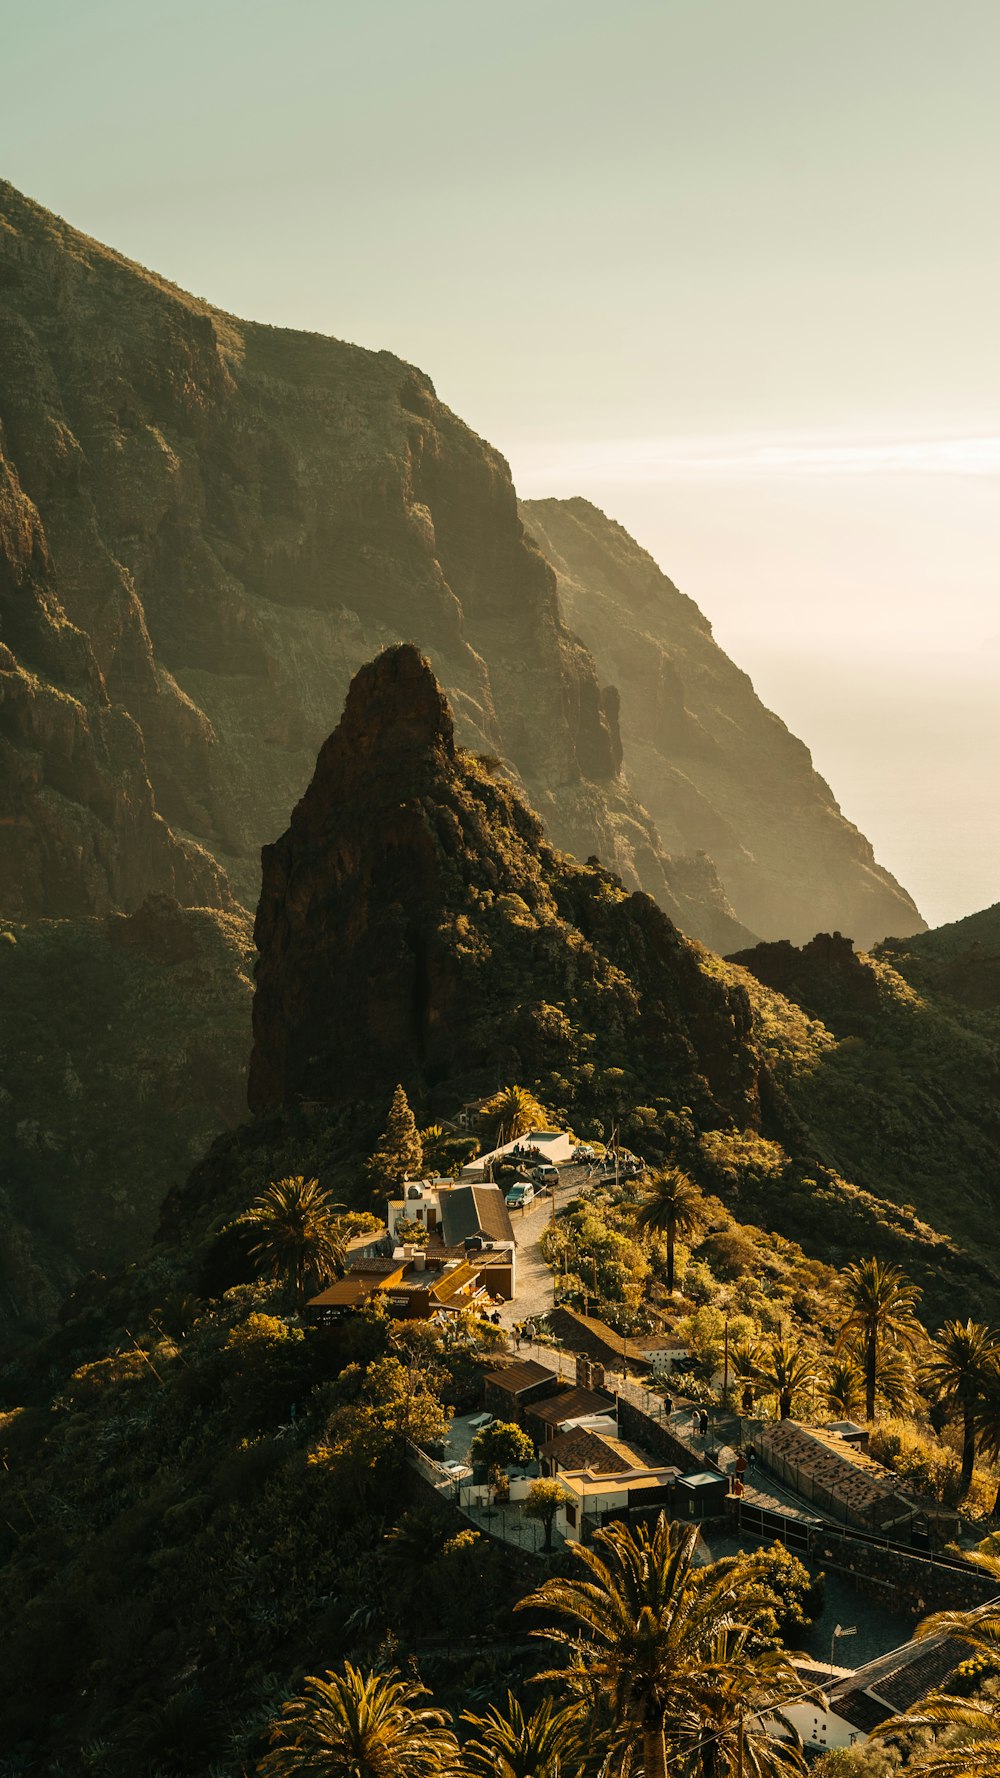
(725, 1372)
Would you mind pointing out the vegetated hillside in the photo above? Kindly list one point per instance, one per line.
(716, 770)
(122, 1055)
(201, 1499)
(905, 1097)
(213, 524)
(417, 890)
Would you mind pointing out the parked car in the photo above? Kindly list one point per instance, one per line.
(521, 1195)
(584, 1153)
(545, 1174)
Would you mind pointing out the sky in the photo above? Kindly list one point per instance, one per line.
(729, 269)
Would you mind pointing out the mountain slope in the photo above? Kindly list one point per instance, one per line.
(123, 1050)
(235, 517)
(415, 925)
(716, 770)
(905, 1097)
(178, 1543)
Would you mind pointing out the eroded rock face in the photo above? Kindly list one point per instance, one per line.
(716, 770)
(232, 519)
(79, 829)
(415, 925)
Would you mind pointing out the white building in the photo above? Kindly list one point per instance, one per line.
(592, 1498)
(850, 1705)
(555, 1147)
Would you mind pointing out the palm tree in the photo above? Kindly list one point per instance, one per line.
(546, 1744)
(746, 1697)
(786, 1369)
(434, 1146)
(988, 1417)
(669, 1207)
(512, 1112)
(881, 1301)
(360, 1725)
(298, 1234)
(843, 1386)
(963, 1354)
(973, 1750)
(641, 1625)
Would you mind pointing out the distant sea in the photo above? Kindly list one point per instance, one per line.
(913, 758)
(866, 609)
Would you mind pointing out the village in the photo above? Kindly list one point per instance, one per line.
(600, 1420)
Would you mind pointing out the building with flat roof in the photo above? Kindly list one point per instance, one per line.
(460, 1214)
(701, 1495)
(555, 1148)
(593, 1498)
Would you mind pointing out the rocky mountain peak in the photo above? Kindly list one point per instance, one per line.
(396, 720)
(415, 925)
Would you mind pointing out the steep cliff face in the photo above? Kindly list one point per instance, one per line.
(716, 770)
(414, 923)
(235, 517)
(79, 830)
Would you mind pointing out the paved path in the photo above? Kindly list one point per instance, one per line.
(535, 1283)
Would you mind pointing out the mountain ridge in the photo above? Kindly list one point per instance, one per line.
(236, 516)
(717, 770)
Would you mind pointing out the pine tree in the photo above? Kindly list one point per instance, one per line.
(399, 1154)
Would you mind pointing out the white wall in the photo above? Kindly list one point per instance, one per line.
(822, 1728)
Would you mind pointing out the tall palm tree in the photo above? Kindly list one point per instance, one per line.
(668, 1207)
(299, 1236)
(963, 1355)
(641, 1625)
(546, 1744)
(360, 1725)
(785, 1370)
(512, 1112)
(881, 1303)
(434, 1144)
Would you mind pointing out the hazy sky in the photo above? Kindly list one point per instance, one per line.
(731, 268)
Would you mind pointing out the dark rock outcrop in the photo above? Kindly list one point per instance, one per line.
(415, 924)
(826, 977)
(716, 770)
